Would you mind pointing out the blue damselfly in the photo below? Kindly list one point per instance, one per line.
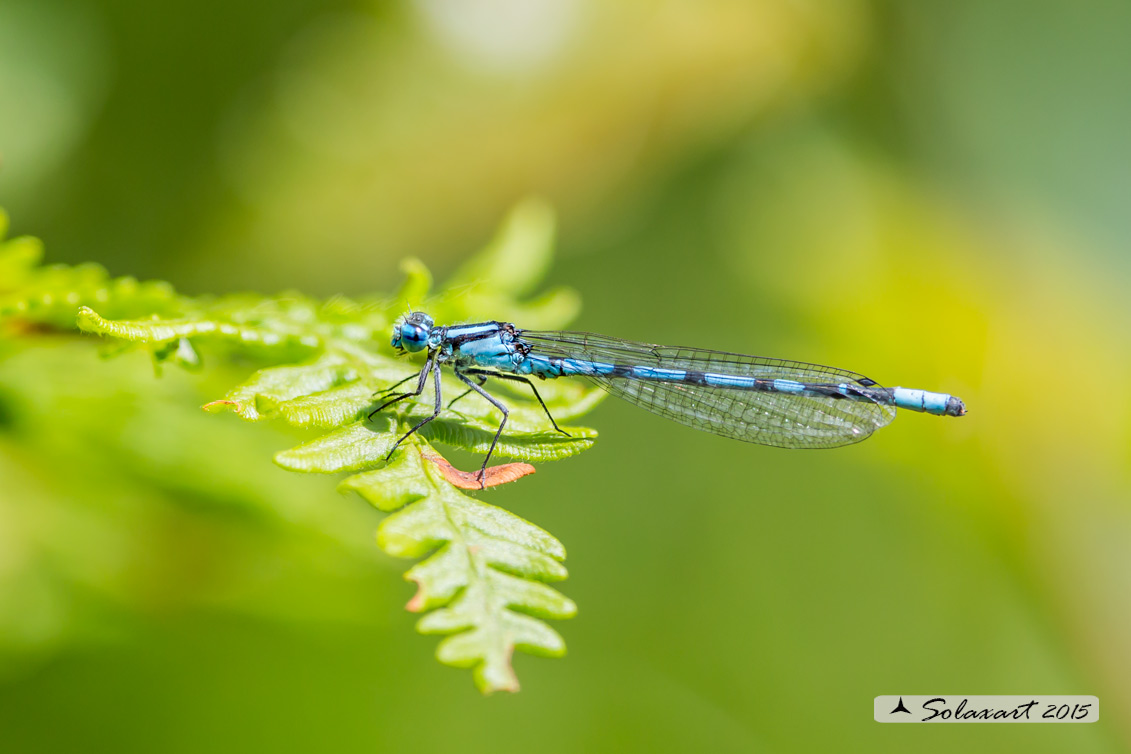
(788, 404)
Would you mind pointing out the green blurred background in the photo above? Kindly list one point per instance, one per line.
(933, 193)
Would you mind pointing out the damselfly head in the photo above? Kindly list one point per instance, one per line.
(410, 333)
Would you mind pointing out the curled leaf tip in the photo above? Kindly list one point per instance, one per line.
(87, 319)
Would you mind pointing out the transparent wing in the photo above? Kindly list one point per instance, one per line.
(768, 418)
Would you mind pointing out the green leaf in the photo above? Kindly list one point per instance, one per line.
(484, 579)
(393, 486)
(267, 389)
(349, 448)
(18, 257)
(516, 259)
(328, 366)
(510, 267)
(527, 446)
(417, 283)
(327, 408)
(157, 331)
(53, 295)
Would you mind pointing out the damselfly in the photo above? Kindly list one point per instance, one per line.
(788, 404)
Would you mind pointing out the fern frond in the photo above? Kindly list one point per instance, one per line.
(484, 580)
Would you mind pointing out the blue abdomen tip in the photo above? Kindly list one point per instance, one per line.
(939, 404)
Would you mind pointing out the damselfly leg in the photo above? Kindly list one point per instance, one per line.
(391, 388)
(482, 381)
(497, 404)
(422, 379)
(483, 374)
(436, 412)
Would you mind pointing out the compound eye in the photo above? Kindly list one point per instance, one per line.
(413, 336)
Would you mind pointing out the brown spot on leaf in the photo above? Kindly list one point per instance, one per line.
(512, 682)
(215, 405)
(416, 604)
(469, 480)
(17, 327)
